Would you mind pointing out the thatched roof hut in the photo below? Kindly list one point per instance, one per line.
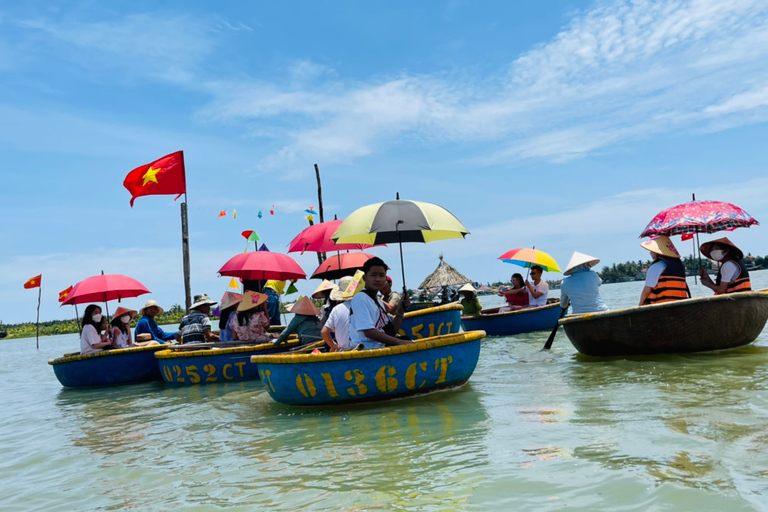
(444, 275)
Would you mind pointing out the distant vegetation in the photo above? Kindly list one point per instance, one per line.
(635, 270)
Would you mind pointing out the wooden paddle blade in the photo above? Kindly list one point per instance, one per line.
(551, 338)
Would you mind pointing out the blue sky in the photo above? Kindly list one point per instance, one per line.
(564, 125)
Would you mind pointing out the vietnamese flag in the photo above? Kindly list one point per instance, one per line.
(33, 282)
(64, 294)
(163, 176)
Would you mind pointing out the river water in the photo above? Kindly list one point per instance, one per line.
(531, 430)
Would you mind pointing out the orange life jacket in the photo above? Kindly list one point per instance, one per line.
(741, 283)
(671, 285)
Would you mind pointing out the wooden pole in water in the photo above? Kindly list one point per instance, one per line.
(320, 256)
(37, 326)
(185, 252)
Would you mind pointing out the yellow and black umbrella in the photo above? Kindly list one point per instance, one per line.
(399, 221)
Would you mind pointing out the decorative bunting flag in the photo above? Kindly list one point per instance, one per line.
(33, 282)
(234, 213)
(309, 218)
(233, 284)
(272, 210)
(311, 210)
(264, 248)
(161, 177)
(259, 215)
(222, 213)
(291, 289)
(253, 236)
(64, 294)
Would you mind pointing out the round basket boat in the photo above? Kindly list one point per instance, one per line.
(430, 322)
(509, 323)
(692, 325)
(370, 375)
(189, 365)
(108, 368)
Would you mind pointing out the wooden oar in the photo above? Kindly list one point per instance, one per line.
(551, 338)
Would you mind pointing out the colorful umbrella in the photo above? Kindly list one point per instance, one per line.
(399, 221)
(261, 265)
(317, 238)
(341, 265)
(698, 217)
(103, 288)
(530, 257)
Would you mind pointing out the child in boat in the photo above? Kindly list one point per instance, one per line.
(370, 325)
(121, 328)
(517, 296)
(251, 321)
(470, 302)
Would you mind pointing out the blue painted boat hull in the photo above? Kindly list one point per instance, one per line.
(371, 375)
(430, 322)
(108, 368)
(514, 322)
(209, 366)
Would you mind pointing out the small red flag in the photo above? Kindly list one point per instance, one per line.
(687, 236)
(222, 213)
(163, 176)
(33, 282)
(64, 294)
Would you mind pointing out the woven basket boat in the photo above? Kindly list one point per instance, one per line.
(108, 368)
(429, 322)
(701, 324)
(371, 375)
(514, 322)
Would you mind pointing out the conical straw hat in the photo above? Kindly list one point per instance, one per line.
(735, 252)
(251, 300)
(325, 285)
(661, 245)
(304, 306)
(578, 259)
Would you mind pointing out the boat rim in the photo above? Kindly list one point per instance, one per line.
(454, 306)
(423, 344)
(106, 353)
(509, 313)
(671, 304)
(170, 353)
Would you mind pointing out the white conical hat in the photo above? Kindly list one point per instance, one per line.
(468, 288)
(579, 259)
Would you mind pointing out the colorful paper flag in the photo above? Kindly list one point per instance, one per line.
(234, 213)
(264, 248)
(233, 284)
(291, 289)
(64, 294)
(309, 218)
(272, 210)
(163, 176)
(33, 282)
(222, 213)
(259, 215)
(311, 210)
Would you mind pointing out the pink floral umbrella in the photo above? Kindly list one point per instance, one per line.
(698, 217)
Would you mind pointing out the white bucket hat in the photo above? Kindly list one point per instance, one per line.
(578, 259)
(202, 300)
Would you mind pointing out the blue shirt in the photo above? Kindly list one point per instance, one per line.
(582, 290)
(148, 325)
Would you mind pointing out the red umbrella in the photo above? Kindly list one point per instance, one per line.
(104, 288)
(262, 265)
(698, 217)
(341, 265)
(317, 238)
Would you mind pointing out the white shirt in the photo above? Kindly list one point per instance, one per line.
(338, 322)
(542, 287)
(654, 273)
(366, 314)
(88, 338)
(729, 271)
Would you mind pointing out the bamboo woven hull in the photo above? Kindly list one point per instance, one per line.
(429, 322)
(209, 366)
(371, 375)
(693, 325)
(514, 322)
(108, 368)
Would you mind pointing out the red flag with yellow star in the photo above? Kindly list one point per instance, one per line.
(163, 176)
(33, 282)
(63, 294)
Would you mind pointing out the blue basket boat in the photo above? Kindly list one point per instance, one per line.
(215, 362)
(430, 322)
(108, 368)
(514, 322)
(371, 375)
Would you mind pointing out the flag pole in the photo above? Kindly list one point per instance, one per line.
(37, 326)
(185, 252)
(320, 256)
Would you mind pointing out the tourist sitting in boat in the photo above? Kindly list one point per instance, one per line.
(581, 287)
(538, 289)
(195, 327)
(274, 289)
(323, 292)
(228, 311)
(147, 329)
(665, 278)
(121, 327)
(338, 319)
(517, 296)
(390, 299)
(251, 321)
(370, 325)
(305, 323)
(732, 275)
(93, 338)
(469, 301)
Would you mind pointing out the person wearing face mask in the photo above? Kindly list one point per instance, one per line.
(121, 328)
(665, 278)
(91, 341)
(732, 275)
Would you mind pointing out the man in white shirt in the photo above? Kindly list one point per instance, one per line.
(538, 290)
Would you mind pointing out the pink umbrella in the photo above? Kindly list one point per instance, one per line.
(104, 288)
(317, 238)
(261, 265)
(698, 217)
(341, 265)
